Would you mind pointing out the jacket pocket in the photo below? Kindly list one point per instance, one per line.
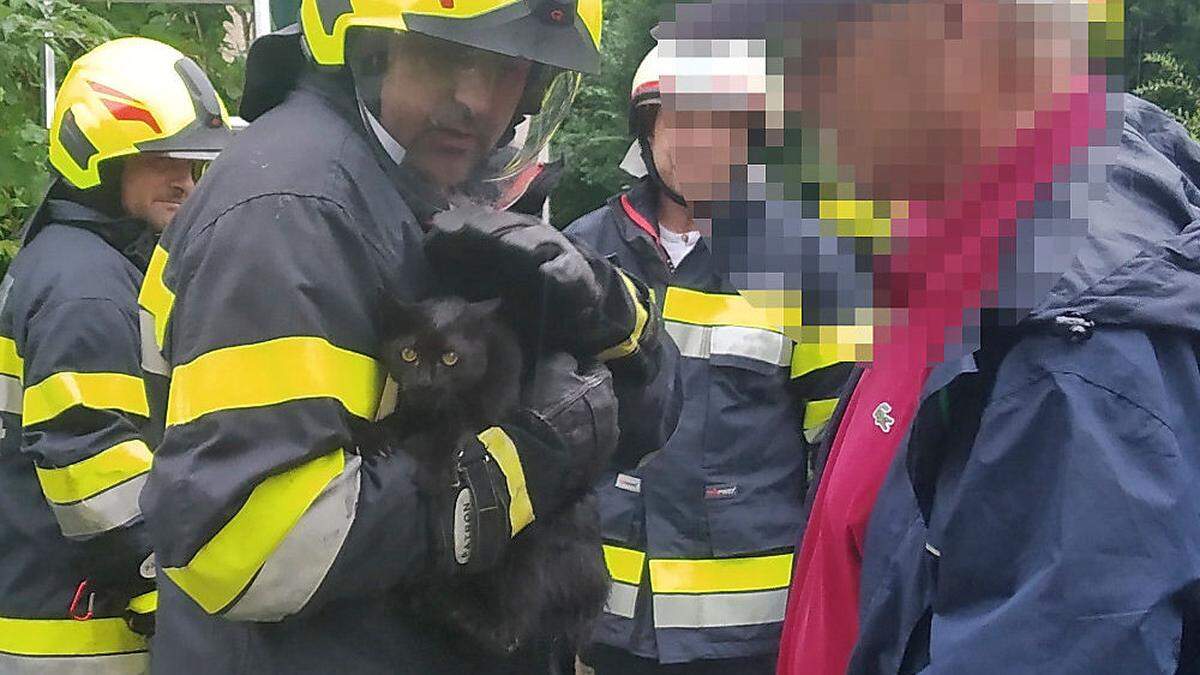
(621, 511)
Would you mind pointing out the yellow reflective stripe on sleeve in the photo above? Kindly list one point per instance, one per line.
(83, 479)
(144, 603)
(809, 357)
(101, 391)
(630, 344)
(271, 372)
(224, 566)
(67, 637)
(817, 413)
(713, 309)
(624, 564)
(504, 451)
(11, 363)
(722, 575)
(155, 297)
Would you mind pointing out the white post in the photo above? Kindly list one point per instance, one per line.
(544, 158)
(49, 79)
(262, 17)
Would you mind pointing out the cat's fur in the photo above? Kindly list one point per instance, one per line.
(551, 582)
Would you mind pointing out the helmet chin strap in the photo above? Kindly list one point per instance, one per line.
(652, 171)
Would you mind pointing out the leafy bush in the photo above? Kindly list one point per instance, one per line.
(23, 27)
(1174, 88)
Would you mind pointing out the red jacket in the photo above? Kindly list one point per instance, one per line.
(821, 624)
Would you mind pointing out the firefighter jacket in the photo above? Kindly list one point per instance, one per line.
(700, 537)
(75, 447)
(281, 547)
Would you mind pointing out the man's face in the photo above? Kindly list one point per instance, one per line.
(905, 97)
(879, 123)
(154, 186)
(448, 105)
(708, 152)
(662, 148)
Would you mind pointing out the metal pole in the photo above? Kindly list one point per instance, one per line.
(262, 17)
(544, 158)
(49, 78)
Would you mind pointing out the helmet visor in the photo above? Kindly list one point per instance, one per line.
(534, 131)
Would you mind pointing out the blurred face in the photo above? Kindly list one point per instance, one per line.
(871, 174)
(906, 96)
(448, 105)
(153, 187)
(708, 150)
(918, 92)
(662, 148)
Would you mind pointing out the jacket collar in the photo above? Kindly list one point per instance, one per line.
(636, 212)
(133, 238)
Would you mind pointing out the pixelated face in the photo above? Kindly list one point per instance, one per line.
(867, 162)
(919, 92)
(709, 152)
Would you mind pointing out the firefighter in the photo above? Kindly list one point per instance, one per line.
(699, 537)
(134, 122)
(282, 546)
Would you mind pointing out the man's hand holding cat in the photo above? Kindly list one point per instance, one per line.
(573, 298)
(495, 250)
(563, 435)
(577, 408)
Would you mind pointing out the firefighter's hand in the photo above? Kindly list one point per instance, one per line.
(577, 408)
(540, 460)
(487, 252)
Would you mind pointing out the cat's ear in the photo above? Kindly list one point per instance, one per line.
(486, 307)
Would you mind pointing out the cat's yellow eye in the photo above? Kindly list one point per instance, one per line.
(449, 358)
(409, 355)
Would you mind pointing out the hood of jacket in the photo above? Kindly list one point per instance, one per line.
(1140, 263)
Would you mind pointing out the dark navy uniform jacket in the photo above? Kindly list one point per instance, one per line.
(281, 547)
(700, 536)
(76, 446)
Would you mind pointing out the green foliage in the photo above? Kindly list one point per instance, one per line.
(23, 25)
(1174, 87)
(595, 138)
(199, 31)
(1168, 26)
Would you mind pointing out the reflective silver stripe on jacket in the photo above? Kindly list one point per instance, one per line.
(622, 600)
(296, 569)
(715, 610)
(107, 664)
(702, 342)
(11, 394)
(103, 512)
(152, 359)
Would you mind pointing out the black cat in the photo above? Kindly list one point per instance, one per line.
(459, 369)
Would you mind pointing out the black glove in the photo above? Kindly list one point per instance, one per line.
(575, 411)
(492, 250)
(561, 439)
(567, 298)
